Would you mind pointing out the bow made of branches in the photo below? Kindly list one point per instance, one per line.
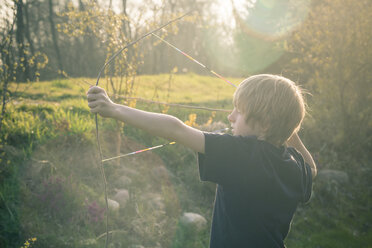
(96, 117)
(155, 147)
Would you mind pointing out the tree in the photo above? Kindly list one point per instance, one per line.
(23, 69)
(7, 72)
(332, 55)
(261, 29)
(15, 61)
(54, 34)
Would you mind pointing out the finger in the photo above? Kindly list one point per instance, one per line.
(94, 110)
(91, 97)
(95, 103)
(92, 105)
(95, 90)
(96, 94)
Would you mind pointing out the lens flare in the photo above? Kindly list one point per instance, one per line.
(271, 20)
(261, 27)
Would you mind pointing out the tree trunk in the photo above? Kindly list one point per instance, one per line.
(126, 27)
(23, 69)
(5, 48)
(4, 100)
(28, 36)
(54, 35)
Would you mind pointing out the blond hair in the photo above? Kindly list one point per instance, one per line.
(272, 102)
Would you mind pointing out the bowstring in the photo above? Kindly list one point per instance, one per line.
(194, 60)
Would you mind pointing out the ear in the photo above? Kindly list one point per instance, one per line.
(262, 128)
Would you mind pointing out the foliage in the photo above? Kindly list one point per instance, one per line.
(49, 129)
(262, 27)
(24, 67)
(77, 36)
(106, 26)
(340, 214)
(333, 58)
(48, 177)
(29, 242)
(50, 156)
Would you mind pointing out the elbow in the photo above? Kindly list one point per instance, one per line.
(174, 129)
(177, 130)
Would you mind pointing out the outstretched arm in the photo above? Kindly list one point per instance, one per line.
(165, 126)
(296, 142)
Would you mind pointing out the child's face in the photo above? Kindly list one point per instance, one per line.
(240, 126)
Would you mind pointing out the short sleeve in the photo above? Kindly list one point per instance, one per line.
(222, 161)
(306, 175)
(307, 182)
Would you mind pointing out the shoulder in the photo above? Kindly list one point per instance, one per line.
(228, 159)
(228, 139)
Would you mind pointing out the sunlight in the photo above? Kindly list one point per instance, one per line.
(6, 13)
(271, 19)
(224, 10)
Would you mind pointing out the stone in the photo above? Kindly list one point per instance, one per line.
(122, 197)
(193, 221)
(113, 205)
(328, 175)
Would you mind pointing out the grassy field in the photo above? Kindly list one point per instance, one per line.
(52, 192)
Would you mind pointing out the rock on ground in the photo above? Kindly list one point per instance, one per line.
(122, 197)
(193, 221)
(113, 205)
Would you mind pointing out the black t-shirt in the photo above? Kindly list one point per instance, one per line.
(258, 189)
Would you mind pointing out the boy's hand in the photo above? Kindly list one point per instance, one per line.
(296, 142)
(99, 102)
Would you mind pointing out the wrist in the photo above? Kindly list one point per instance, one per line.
(114, 110)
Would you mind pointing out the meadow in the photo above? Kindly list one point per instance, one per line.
(52, 191)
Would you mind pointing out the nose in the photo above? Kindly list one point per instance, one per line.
(230, 117)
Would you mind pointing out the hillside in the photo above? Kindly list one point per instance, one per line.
(51, 187)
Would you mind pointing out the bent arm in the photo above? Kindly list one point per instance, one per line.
(296, 142)
(162, 125)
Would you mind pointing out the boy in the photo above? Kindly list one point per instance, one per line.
(260, 180)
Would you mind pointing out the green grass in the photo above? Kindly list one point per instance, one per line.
(188, 88)
(49, 133)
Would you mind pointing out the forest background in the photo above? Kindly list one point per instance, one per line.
(51, 194)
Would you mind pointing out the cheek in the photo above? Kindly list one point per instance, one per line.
(240, 118)
(241, 122)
